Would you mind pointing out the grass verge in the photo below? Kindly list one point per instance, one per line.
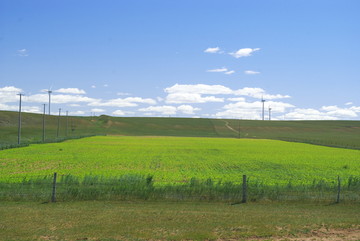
(176, 221)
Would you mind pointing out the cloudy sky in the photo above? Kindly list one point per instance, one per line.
(188, 58)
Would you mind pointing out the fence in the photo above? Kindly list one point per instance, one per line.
(137, 187)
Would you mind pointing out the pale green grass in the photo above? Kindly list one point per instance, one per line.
(178, 159)
(175, 221)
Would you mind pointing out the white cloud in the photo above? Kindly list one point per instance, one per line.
(212, 50)
(250, 110)
(223, 69)
(355, 108)
(164, 110)
(119, 113)
(93, 86)
(199, 89)
(251, 72)
(170, 110)
(239, 99)
(59, 99)
(122, 93)
(348, 103)
(182, 97)
(126, 102)
(308, 114)
(194, 93)
(70, 91)
(245, 52)
(97, 110)
(22, 52)
(8, 94)
(187, 109)
(75, 113)
(258, 93)
(339, 112)
(230, 72)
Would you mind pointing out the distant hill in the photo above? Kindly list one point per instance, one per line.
(330, 133)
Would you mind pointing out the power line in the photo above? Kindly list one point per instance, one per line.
(263, 110)
(19, 121)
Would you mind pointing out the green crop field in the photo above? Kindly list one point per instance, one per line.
(345, 134)
(178, 159)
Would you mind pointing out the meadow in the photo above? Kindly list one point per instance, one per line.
(182, 168)
(178, 159)
(344, 134)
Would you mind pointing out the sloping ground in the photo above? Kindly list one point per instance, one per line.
(344, 134)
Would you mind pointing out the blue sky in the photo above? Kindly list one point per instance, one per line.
(188, 58)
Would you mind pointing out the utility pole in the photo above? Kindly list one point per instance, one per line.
(269, 113)
(67, 122)
(43, 125)
(58, 124)
(263, 111)
(19, 123)
(49, 92)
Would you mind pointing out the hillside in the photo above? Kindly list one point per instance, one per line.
(331, 133)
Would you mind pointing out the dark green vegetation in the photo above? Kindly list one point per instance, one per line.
(344, 134)
(177, 221)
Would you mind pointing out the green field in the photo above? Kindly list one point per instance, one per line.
(344, 134)
(180, 179)
(178, 159)
(111, 221)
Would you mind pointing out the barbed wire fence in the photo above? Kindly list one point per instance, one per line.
(64, 188)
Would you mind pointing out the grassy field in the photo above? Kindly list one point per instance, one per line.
(178, 159)
(180, 168)
(332, 133)
(177, 221)
(205, 164)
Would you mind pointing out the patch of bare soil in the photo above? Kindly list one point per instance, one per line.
(322, 234)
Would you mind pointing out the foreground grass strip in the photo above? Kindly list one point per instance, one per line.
(176, 221)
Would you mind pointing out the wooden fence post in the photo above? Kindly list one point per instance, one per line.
(53, 196)
(244, 190)
(338, 191)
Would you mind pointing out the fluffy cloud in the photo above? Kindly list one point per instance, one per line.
(59, 99)
(212, 50)
(308, 114)
(199, 89)
(239, 99)
(70, 91)
(258, 93)
(245, 52)
(164, 110)
(171, 110)
(8, 94)
(339, 112)
(250, 110)
(230, 72)
(223, 69)
(187, 109)
(126, 102)
(119, 113)
(182, 97)
(96, 110)
(251, 72)
(178, 94)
